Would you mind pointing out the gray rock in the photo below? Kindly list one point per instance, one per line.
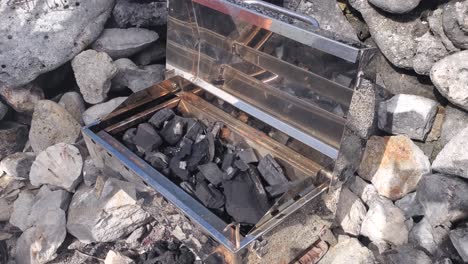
(450, 78)
(408, 115)
(13, 137)
(396, 6)
(348, 250)
(22, 99)
(59, 165)
(93, 73)
(394, 165)
(406, 254)
(113, 257)
(90, 172)
(52, 124)
(45, 200)
(21, 209)
(364, 190)
(350, 212)
(410, 205)
(155, 52)
(99, 111)
(435, 240)
(107, 216)
(129, 13)
(455, 120)
(444, 198)
(74, 104)
(384, 222)
(430, 49)
(18, 164)
(459, 238)
(3, 110)
(5, 210)
(454, 23)
(136, 78)
(39, 37)
(435, 23)
(122, 43)
(453, 158)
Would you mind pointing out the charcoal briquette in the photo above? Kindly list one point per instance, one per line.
(211, 172)
(279, 189)
(199, 155)
(228, 158)
(188, 187)
(163, 115)
(247, 155)
(129, 137)
(173, 131)
(184, 148)
(271, 171)
(179, 168)
(158, 160)
(146, 138)
(209, 195)
(194, 129)
(241, 165)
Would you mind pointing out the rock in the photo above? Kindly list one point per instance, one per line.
(3, 110)
(449, 76)
(136, 78)
(129, 13)
(406, 254)
(435, 24)
(21, 209)
(122, 43)
(364, 190)
(154, 53)
(348, 250)
(105, 217)
(65, 30)
(408, 115)
(410, 205)
(455, 120)
(59, 165)
(39, 243)
(90, 172)
(350, 212)
(384, 222)
(101, 110)
(18, 164)
(74, 104)
(394, 165)
(434, 240)
(5, 210)
(52, 124)
(455, 12)
(395, 6)
(113, 257)
(444, 198)
(22, 99)
(459, 238)
(13, 137)
(453, 158)
(430, 49)
(93, 73)
(45, 200)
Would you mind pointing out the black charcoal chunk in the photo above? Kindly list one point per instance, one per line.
(211, 146)
(146, 138)
(241, 165)
(243, 202)
(200, 153)
(279, 189)
(255, 177)
(229, 173)
(247, 155)
(188, 187)
(216, 127)
(129, 137)
(184, 148)
(179, 168)
(211, 172)
(209, 195)
(227, 161)
(170, 151)
(271, 171)
(158, 119)
(173, 131)
(158, 160)
(194, 129)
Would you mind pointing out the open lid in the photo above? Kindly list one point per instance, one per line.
(284, 71)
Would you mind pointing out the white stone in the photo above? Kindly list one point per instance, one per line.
(99, 111)
(74, 104)
(453, 158)
(18, 164)
(364, 190)
(350, 212)
(136, 78)
(21, 209)
(348, 250)
(22, 99)
(113, 257)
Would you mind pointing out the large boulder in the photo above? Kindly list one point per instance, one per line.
(13, 137)
(39, 37)
(106, 215)
(74, 104)
(350, 212)
(455, 23)
(396, 6)
(348, 250)
(101, 110)
(453, 158)
(122, 43)
(394, 165)
(129, 75)
(18, 164)
(128, 13)
(443, 197)
(52, 124)
(450, 77)
(93, 72)
(408, 115)
(22, 99)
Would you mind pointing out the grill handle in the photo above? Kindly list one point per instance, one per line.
(284, 11)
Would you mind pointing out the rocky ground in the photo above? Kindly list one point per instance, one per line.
(64, 64)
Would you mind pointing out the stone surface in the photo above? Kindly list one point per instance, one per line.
(155, 52)
(5, 210)
(384, 222)
(453, 158)
(122, 43)
(101, 110)
(396, 6)
(410, 205)
(450, 76)
(459, 238)
(3, 110)
(435, 240)
(93, 73)
(13, 137)
(136, 78)
(455, 120)
(18, 164)
(74, 104)
(39, 37)
(59, 165)
(407, 254)
(350, 212)
(430, 49)
(21, 209)
(364, 190)
(52, 124)
(435, 24)
(348, 250)
(455, 12)
(443, 197)
(44, 200)
(394, 165)
(113, 257)
(408, 115)
(90, 172)
(127, 13)
(105, 217)
(22, 99)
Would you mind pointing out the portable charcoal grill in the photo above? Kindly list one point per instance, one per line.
(275, 65)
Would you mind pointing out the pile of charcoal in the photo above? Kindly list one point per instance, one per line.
(230, 180)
